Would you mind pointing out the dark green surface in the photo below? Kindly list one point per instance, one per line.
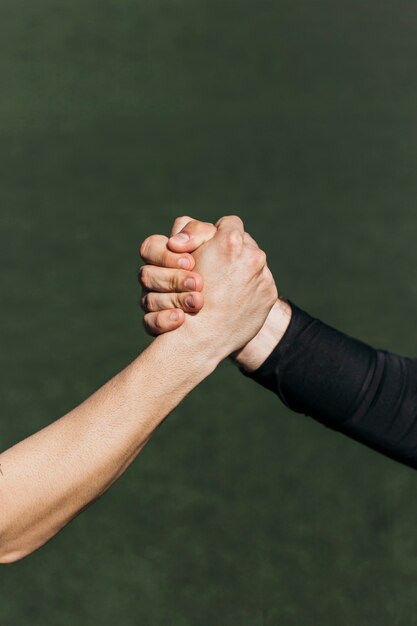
(115, 116)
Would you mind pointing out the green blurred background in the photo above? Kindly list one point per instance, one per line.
(115, 117)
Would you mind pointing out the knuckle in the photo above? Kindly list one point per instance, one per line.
(258, 259)
(144, 247)
(261, 257)
(143, 276)
(237, 219)
(173, 282)
(178, 301)
(149, 278)
(151, 243)
(148, 302)
(147, 325)
(233, 239)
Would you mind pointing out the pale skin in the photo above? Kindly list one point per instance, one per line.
(50, 477)
(166, 297)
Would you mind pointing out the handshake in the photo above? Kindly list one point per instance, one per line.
(211, 285)
(214, 281)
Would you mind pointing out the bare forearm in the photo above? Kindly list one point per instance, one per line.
(51, 476)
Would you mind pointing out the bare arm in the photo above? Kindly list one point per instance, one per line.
(50, 477)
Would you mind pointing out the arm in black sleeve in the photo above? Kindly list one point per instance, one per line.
(369, 395)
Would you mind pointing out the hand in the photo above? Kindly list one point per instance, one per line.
(239, 290)
(161, 251)
(169, 287)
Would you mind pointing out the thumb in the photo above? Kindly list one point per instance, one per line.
(191, 236)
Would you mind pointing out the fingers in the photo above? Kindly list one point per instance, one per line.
(188, 302)
(258, 255)
(258, 260)
(154, 251)
(250, 241)
(191, 236)
(230, 222)
(163, 279)
(231, 229)
(179, 224)
(163, 321)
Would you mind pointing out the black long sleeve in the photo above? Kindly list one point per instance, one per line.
(369, 395)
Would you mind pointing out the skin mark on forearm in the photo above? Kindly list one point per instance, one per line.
(1, 471)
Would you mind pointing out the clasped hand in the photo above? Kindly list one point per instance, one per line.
(213, 280)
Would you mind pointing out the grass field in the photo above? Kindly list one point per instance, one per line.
(300, 116)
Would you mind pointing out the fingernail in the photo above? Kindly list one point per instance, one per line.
(189, 302)
(184, 263)
(174, 317)
(181, 238)
(189, 283)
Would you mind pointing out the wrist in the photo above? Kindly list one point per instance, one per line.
(251, 357)
(191, 350)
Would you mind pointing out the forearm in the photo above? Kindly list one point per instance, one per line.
(369, 395)
(48, 478)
